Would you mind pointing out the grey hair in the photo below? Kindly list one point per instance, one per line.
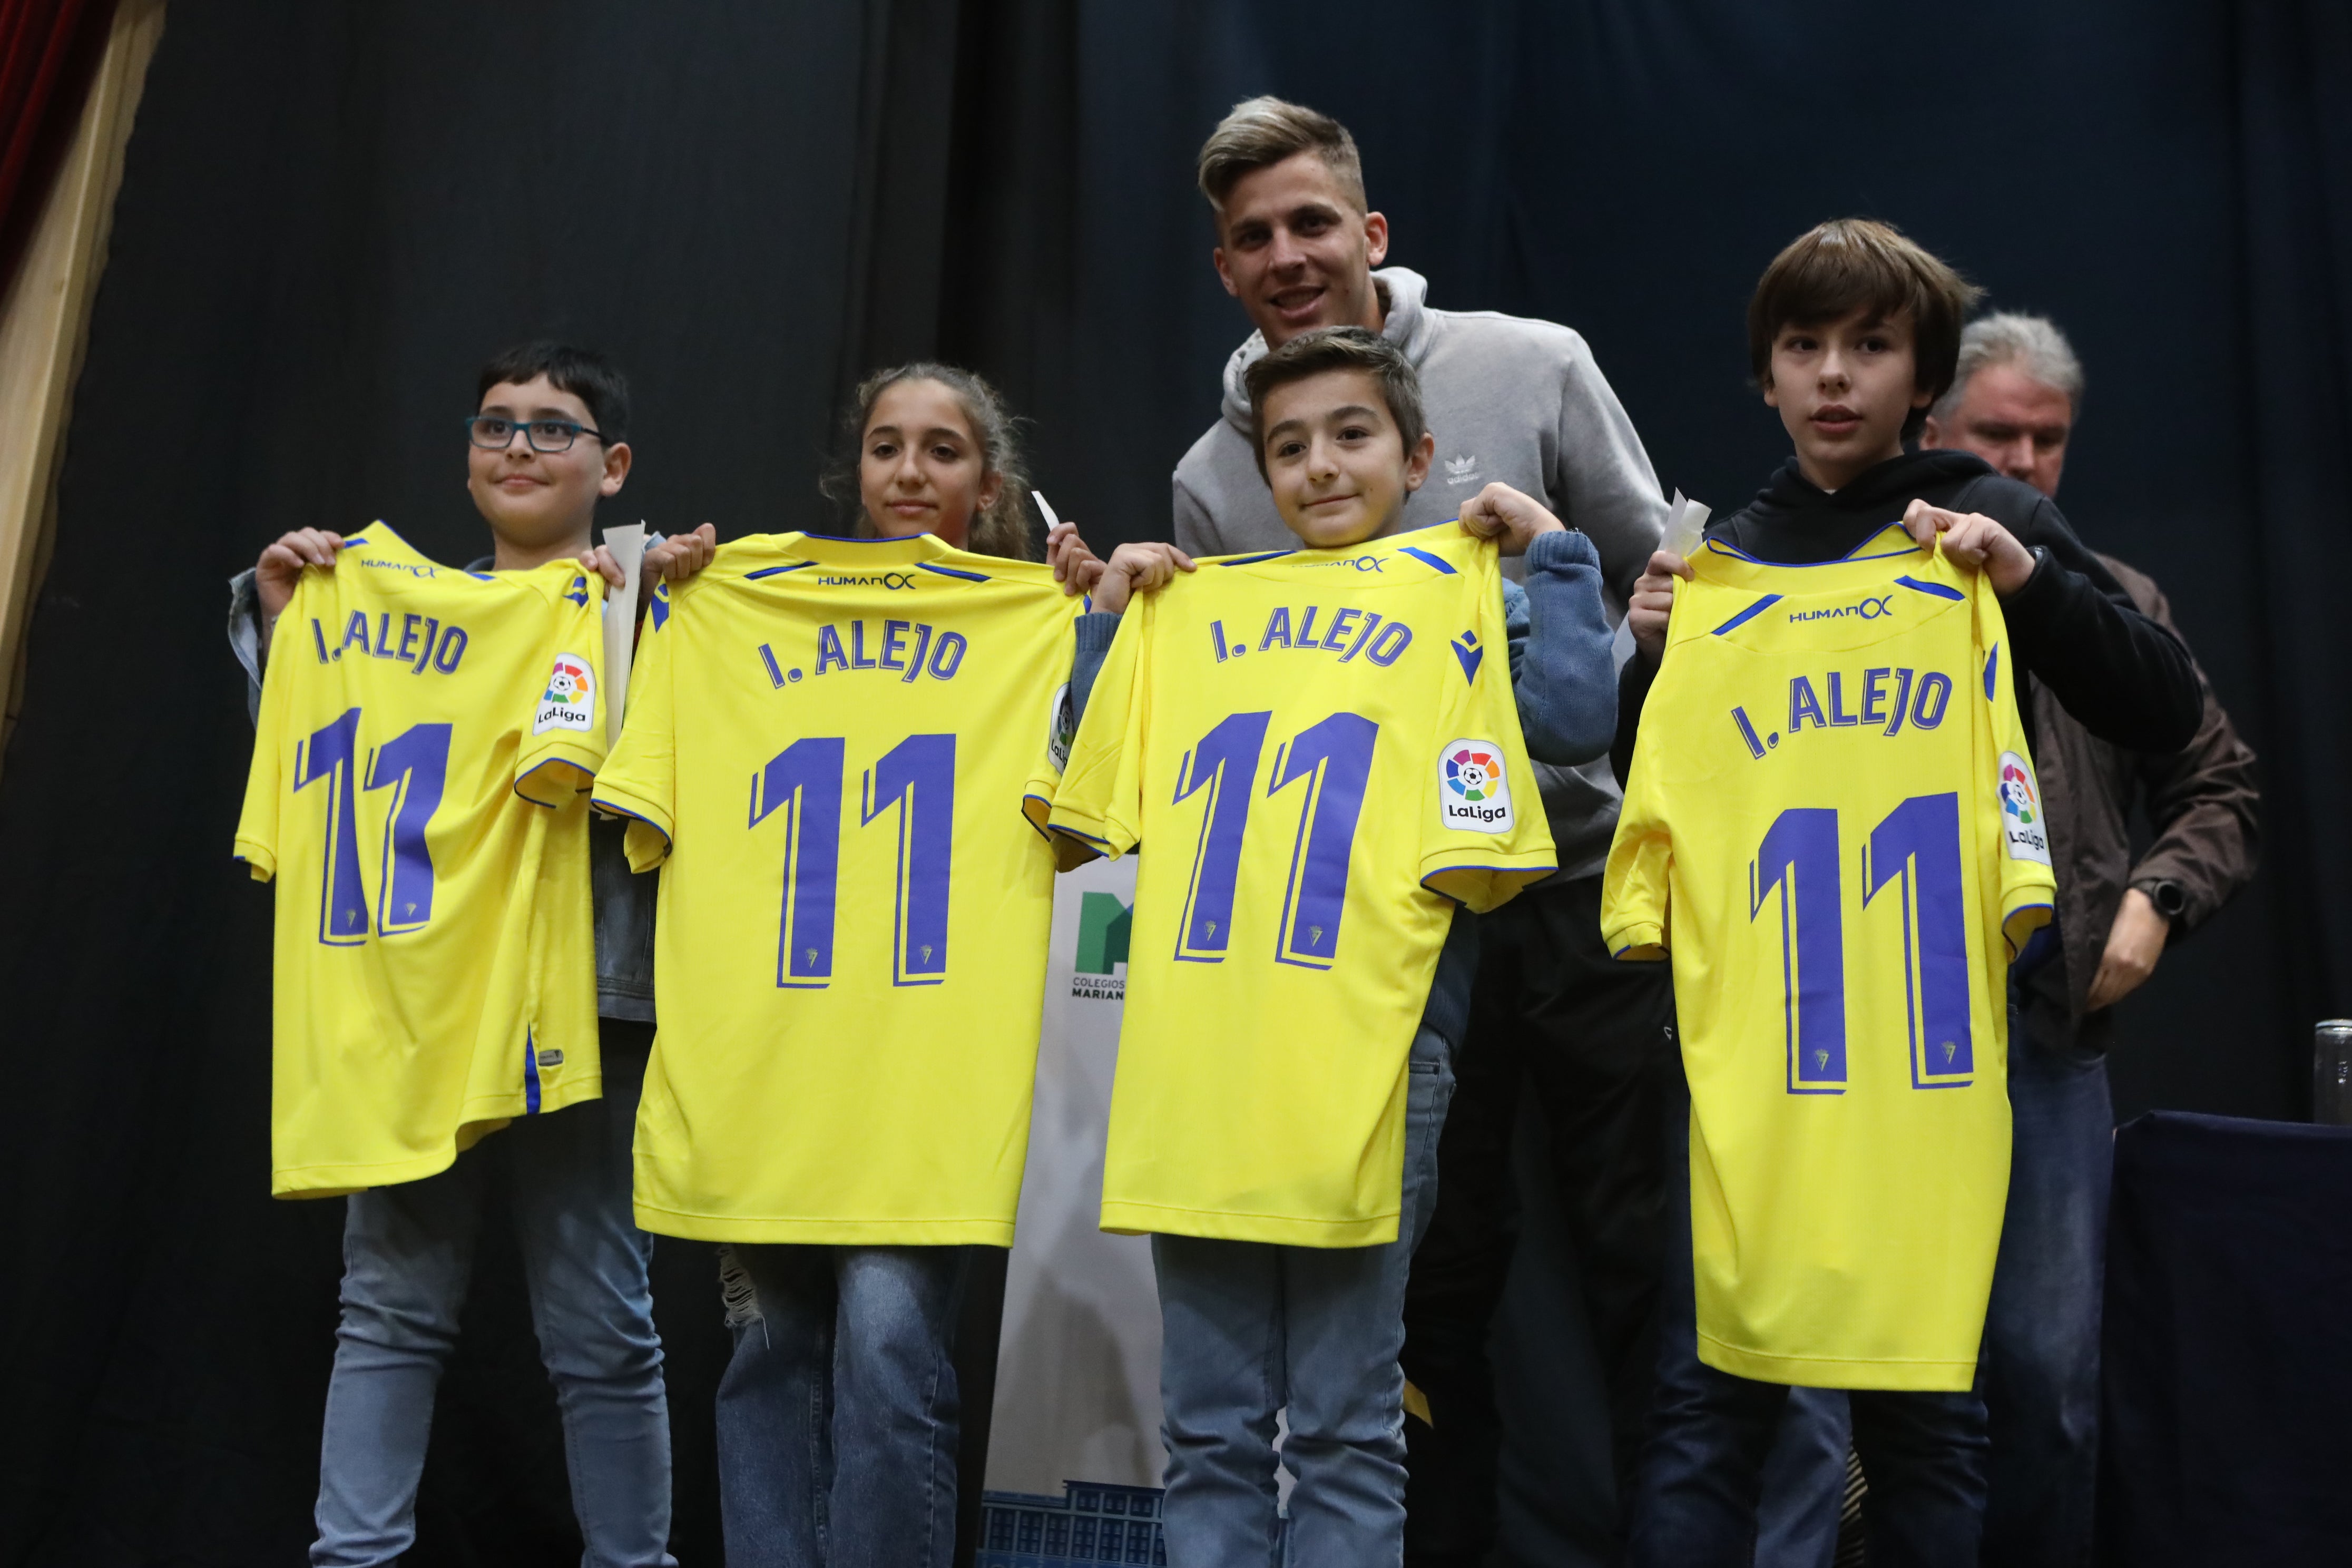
(1260, 133)
(2032, 343)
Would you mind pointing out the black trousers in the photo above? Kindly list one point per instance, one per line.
(1593, 1038)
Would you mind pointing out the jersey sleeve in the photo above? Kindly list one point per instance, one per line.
(1044, 781)
(2015, 816)
(564, 744)
(639, 780)
(1634, 884)
(1484, 834)
(257, 825)
(1100, 801)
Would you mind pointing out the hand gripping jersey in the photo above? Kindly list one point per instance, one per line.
(419, 791)
(1320, 751)
(1833, 824)
(828, 746)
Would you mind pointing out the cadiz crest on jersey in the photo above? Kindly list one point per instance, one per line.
(1474, 788)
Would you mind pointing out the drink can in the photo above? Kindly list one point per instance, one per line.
(2331, 1072)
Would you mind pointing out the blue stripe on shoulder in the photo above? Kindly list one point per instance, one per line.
(952, 572)
(1937, 589)
(1254, 560)
(774, 571)
(1747, 615)
(1992, 663)
(1426, 559)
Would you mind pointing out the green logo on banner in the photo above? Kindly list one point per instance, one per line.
(1103, 924)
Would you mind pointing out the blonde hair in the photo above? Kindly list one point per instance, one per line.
(1263, 131)
(1001, 528)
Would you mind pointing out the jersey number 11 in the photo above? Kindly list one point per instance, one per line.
(415, 766)
(1916, 847)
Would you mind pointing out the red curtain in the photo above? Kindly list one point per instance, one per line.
(48, 50)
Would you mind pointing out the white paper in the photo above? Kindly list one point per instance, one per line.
(628, 547)
(1044, 509)
(1686, 526)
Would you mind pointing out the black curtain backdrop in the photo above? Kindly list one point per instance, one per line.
(332, 213)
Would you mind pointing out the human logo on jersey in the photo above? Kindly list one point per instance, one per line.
(2020, 810)
(1474, 791)
(570, 700)
(894, 581)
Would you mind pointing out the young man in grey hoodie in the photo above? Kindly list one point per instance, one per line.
(1520, 402)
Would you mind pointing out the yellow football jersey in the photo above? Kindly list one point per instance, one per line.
(418, 789)
(1321, 752)
(828, 746)
(1832, 825)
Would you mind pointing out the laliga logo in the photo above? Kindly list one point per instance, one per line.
(1474, 775)
(2016, 793)
(570, 698)
(1474, 795)
(570, 681)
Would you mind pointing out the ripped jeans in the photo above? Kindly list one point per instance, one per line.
(838, 1415)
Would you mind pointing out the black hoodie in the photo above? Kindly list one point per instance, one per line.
(2071, 626)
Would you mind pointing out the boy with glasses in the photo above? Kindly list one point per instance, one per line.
(546, 444)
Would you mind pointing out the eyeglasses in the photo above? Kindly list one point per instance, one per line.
(496, 432)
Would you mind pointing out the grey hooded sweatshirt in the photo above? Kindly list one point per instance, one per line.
(1507, 399)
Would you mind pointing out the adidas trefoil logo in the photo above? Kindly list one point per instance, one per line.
(1462, 470)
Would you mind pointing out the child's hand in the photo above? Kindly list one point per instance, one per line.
(679, 556)
(1077, 568)
(1138, 569)
(600, 561)
(1652, 601)
(280, 566)
(1974, 540)
(1511, 518)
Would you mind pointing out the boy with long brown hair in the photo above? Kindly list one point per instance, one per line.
(1854, 332)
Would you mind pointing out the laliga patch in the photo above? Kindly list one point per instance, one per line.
(1061, 727)
(1474, 794)
(2020, 810)
(570, 700)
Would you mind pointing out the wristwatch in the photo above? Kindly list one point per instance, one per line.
(2166, 894)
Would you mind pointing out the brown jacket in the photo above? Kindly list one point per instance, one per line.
(2200, 805)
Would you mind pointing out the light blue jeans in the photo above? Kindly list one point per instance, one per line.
(1250, 1331)
(839, 1414)
(409, 1258)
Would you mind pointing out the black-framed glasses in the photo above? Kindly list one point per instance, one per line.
(496, 432)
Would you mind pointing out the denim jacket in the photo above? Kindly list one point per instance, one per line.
(625, 901)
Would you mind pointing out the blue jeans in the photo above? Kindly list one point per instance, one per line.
(1251, 1330)
(408, 1257)
(1739, 1471)
(2042, 1331)
(1804, 1480)
(838, 1415)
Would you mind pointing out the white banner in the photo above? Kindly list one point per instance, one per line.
(1077, 1371)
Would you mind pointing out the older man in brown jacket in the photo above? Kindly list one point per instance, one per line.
(2014, 404)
